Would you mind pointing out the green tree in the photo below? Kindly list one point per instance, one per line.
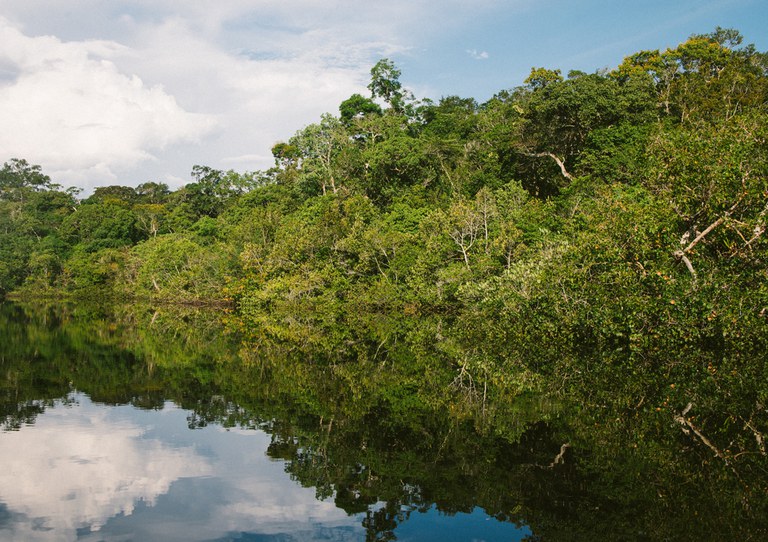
(319, 146)
(560, 116)
(357, 106)
(715, 176)
(32, 209)
(96, 226)
(540, 78)
(176, 267)
(385, 84)
(393, 159)
(152, 192)
(705, 78)
(18, 177)
(120, 195)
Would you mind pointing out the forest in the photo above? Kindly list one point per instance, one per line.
(619, 210)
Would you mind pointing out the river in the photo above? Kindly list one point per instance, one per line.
(146, 423)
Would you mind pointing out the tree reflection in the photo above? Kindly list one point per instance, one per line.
(386, 441)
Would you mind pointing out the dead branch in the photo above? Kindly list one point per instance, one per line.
(560, 457)
(688, 427)
(758, 437)
(760, 226)
(554, 157)
(680, 255)
(703, 234)
(712, 226)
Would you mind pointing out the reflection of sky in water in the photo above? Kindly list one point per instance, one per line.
(475, 527)
(90, 472)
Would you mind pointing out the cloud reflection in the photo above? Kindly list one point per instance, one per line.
(76, 468)
(92, 472)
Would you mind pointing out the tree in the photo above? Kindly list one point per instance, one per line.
(212, 190)
(174, 266)
(715, 176)
(385, 83)
(18, 177)
(451, 118)
(357, 106)
(318, 146)
(560, 115)
(540, 78)
(152, 192)
(150, 218)
(120, 195)
(510, 206)
(393, 158)
(705, 78)
(98, 226)
(287, 158)
(31, 211)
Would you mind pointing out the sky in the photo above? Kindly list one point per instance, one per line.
(104, 92)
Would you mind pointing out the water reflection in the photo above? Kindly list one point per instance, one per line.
(87, 471)
(81, 465)
(181, 431)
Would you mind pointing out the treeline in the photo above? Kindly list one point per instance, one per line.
(610, 208)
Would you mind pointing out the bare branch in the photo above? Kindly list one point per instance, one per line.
(712, 226)
(760, 226)
(554, 157)
(758, 438)
(703, 234)
(560, 457)
(686, 423)
(680, 255)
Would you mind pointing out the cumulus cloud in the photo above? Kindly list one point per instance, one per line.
(92, 472)
(68, 106)
(100, 92)
(76, 469)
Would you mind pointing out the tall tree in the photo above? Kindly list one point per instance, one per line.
(318, 146)
(385, 83)
(18, 177)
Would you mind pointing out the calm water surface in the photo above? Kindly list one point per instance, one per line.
(89, 471)
(123, 430)
(154, 424)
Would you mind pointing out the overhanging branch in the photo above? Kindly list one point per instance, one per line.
(681, 255)
(554, 157)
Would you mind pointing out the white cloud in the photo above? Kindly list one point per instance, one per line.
(70, 108)
(104, 92)
(478, 55)
(81, 471)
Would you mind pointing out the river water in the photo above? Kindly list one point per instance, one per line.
(147, 424)
(90, 471)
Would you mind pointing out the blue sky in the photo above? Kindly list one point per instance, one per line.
(105, 92)
(586, 35)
